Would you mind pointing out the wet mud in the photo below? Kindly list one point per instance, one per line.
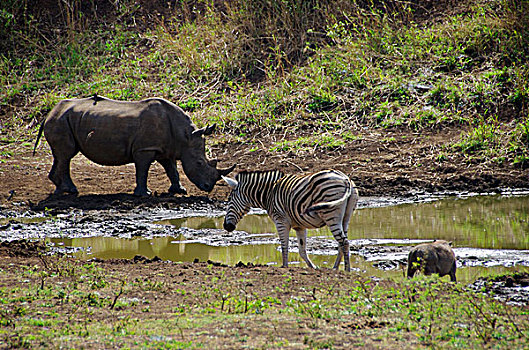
(122, 217)
(512, 289)
(139, 222)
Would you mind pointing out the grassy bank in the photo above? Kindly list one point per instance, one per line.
(57, 302)
(323, 70)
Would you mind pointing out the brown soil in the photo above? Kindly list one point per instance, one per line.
(163, 288)
(381, 162)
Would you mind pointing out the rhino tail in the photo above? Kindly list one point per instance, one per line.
(39, 135)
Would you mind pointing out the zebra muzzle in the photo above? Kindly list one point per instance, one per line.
(228, 226)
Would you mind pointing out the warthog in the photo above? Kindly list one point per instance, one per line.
(435, 257)
(112, 132)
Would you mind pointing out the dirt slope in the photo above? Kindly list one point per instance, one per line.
(382, 163)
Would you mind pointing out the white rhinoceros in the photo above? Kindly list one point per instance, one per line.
(110, 132)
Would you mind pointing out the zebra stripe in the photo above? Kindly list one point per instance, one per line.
(300, 202)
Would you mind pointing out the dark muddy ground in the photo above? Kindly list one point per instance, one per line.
(137, 222)
(382, 163)
(513, 289)
(402, 170)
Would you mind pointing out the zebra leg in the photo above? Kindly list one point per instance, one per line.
(343, 251)
(346, 260)
(336, 226)
(302, 245)
(338, 259)
(351, 206)
(282, 231)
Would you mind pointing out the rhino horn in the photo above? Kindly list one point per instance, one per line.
(224, 172)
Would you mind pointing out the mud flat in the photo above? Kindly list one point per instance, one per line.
(150, 222)
(196, 227)
(119, 219)
(512, 289)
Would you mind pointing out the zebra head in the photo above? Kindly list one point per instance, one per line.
(238, 205)
(250, 189)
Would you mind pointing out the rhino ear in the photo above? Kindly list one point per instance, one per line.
(231, 182)
(207, 130)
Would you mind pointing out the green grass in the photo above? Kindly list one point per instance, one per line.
(324, 141)
(66, 303)
(359, 66)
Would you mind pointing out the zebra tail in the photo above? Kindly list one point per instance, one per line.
(331, 204)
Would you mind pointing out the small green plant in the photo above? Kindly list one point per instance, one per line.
(324, 141)
(519, 144)
(315, 344)
(482, 138)
(322, 103)
(349, 136)
(441, 157)
(190, 105)
(424, 118)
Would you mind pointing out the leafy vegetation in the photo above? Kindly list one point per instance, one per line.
(275, 64)
(325, 141)
(59, 302)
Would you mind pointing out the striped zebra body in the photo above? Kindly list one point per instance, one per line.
(296, 201)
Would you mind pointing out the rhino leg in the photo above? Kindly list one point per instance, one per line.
(413, 264)
(411, 270)
(172, 174)
(60, 176)
(63, 151)
(429, 269)
(142, 162)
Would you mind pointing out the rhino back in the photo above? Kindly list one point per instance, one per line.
(109, 132)
(446, 259)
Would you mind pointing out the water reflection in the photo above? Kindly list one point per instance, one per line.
(481, 222)
(495, 222)
(169, 248)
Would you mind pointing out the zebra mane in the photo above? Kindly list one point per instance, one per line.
(245, 174)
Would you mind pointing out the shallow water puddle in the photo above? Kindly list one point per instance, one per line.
(489, 233)
(494, 222)
(180, 249)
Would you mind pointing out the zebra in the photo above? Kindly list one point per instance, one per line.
(314, 200)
